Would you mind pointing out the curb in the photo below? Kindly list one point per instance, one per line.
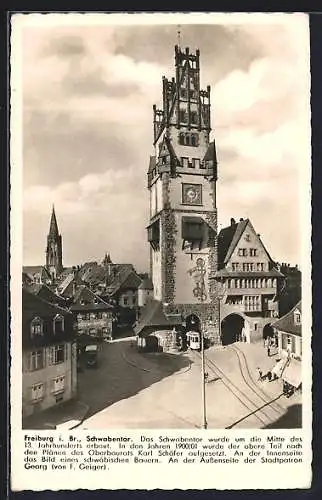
(132, 363)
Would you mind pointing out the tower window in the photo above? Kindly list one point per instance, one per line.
(183, 115)
(194, 117)
(186, 139)
(154, 234)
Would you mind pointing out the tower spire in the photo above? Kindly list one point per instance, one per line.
(53, 228)
(54, 256)
(179, 35)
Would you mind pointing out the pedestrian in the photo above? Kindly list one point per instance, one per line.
(260, 374)
(269, 376)
(268, 350)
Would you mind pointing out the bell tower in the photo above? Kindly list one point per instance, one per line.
(54, 251)
(182, 179)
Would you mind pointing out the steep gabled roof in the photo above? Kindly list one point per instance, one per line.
(229, 237)
(286, 323)
(32, 270)
(32, 306)
(146, 284)
(153, 315)
(86, 299)
(45, 293)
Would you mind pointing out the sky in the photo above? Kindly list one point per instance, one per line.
(87, 130)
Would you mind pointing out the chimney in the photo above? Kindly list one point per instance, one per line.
(241, 219)
(232, 222)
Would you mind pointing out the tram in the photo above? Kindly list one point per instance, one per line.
(193, 340)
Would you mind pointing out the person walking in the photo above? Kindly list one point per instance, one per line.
(260, 374)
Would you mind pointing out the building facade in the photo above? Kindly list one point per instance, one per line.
(93, 316)
(248, 284)
(49, 355)
(182, 179)
(289, 331)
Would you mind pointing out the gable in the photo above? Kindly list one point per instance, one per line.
(246, 246)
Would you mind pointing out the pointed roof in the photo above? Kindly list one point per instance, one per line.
(107, 259)
(53, 229)
(228, 239)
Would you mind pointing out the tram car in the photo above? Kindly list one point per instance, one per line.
(193, 340)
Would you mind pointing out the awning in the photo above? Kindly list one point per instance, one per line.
(292, 373)
(279, 367)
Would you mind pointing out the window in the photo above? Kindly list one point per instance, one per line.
(297, 318)
(36, 327)
(57, 354)
(188, 139)
(194, 117)
(92, 332)
(183, 93)
(37, 392)
(58, 384)
(36, 360)
(255, 327)
(235, 266)
(253, 252)
(247, 237)
(252, 303)
(183, 115)
(260, 266)
(58, 323)
(125, 301)
(99, 315)
(196, 162)
(184, 161)
(242, 252)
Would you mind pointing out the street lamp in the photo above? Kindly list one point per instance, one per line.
(203, 381)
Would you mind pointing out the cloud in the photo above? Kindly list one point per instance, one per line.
(88, 94)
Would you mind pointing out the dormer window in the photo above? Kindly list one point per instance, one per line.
(58, 323)
(297, 317)
(36, 327)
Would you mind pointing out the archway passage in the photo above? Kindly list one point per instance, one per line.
(151, 343)
(231, 329)
(193, 323)
(268, 331)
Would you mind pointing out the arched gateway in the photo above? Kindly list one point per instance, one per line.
(232, 329)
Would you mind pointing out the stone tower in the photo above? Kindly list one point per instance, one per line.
(182, 179)
(54, 250)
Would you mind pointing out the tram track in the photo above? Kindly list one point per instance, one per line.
(259, 409)
(252, 384)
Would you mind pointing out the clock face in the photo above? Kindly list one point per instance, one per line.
(191, 194)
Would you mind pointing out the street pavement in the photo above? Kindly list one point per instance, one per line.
(134, 390)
